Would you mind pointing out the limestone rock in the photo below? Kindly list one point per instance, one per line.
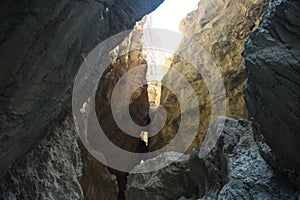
(170, 182)
(234, 169)
(42, 45)
(238, 171)
(220, 27)
(51, 170)
(272, 90)
(97, 182)
(125, 57)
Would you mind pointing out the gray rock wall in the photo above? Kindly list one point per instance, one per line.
(42, 44)
(234, 169)
(272, 89)
(50, 171)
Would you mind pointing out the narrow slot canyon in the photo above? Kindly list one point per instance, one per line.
(160, 99)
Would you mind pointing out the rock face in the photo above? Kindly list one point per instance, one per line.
(168, 183)
(42, 45)
(50, 171)
(234, 169)
(272, 90)
(97, 182)
(220, 27)
(241, 172)
(59, 167)
(127, 55)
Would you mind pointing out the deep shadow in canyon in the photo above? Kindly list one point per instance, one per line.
(255, 45)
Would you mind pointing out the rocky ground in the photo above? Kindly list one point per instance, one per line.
(234, 169)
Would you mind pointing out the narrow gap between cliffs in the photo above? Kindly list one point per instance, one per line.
(167, 16)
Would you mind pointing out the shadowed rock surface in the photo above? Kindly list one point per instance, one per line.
(272, 90)
(96, 180)
(42, 45)
(167, 183)
(234, 169)
(50, 171)
(126, 56)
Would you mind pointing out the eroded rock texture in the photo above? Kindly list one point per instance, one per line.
(42, 45)
(96, 180)
(234, 169)
(167, 183)
(126, 56)
(220, 27)
(238, 171)
(50, 171)
(272, 90)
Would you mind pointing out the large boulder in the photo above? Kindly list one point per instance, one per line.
(170, 182)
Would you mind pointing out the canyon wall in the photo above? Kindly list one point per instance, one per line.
(221, 28)
(242, 165)
(51, 170)
(42, 46)
(272, 90)
(126, 56)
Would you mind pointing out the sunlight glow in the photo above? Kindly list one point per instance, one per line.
(167, 16)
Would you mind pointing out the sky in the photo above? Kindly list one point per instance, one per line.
(167, 16)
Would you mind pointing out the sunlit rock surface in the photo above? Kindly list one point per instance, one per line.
(272, 90)
(220, 27)
(234, 169)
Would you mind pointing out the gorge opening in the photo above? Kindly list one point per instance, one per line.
(145, 100)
